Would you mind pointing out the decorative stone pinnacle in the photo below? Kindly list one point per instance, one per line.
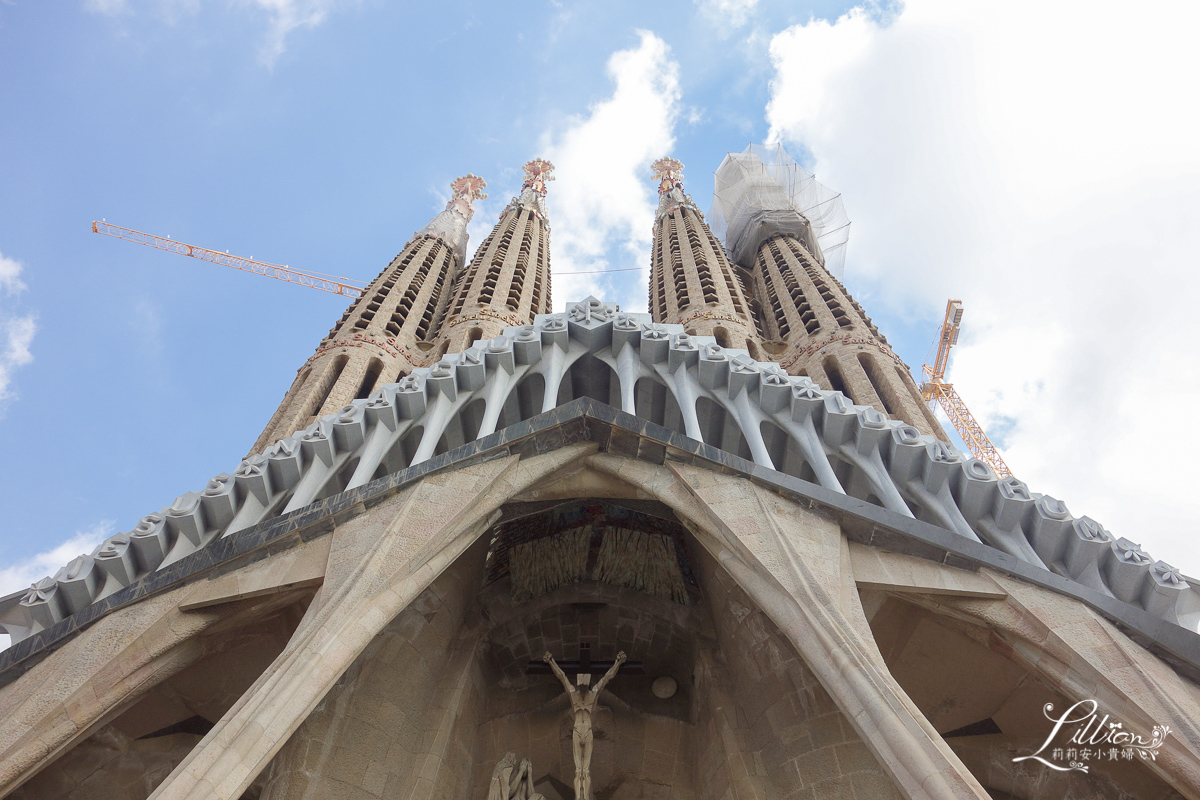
(537, 175)
(671, 196)
(669, 172)
(467, 190)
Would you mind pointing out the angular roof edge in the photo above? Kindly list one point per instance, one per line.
(619, 433)
(689, 384)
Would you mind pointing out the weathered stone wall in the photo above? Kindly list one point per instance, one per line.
(381, 337)
(783, 735)
(506, 283)
(396, 724)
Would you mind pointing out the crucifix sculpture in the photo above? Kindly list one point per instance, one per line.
(583, 703)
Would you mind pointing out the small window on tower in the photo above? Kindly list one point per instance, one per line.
(835, 377)
(369, 379)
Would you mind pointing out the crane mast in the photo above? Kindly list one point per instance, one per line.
(279, 272)
(936, 390)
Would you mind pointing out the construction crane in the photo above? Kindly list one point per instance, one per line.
(935, 389)
(326, 283)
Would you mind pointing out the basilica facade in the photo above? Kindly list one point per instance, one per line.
(719, 550)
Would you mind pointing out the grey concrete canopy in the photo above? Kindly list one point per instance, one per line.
(687, 384)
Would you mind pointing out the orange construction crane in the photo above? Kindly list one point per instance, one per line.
(935, 389)
(326, 283)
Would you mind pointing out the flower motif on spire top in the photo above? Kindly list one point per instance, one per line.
(669, 172)
(537, 175)
(466, 189)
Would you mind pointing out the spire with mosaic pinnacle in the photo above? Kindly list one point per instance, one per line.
(508, 280)
(387, 331)
(692, 283)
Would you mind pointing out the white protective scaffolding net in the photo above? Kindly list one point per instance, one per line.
(762, 192)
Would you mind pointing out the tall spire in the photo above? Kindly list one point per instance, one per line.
(508, 281)
(451, 224)
(390, 329)
(692, 283)
(809, 322)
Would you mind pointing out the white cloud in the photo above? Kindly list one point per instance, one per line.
(109, 7)
(732, 13)
(16, 332)
(1039, 164)
(605, 194)
(20, 575)
(10, 275)
(286, 16)
(283, 16)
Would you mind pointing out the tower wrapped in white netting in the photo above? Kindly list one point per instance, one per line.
(762, 192)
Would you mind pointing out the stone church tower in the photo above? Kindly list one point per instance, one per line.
(605, 556)
(390, 329)
(807, 319)
(508, 281)
(692, 282)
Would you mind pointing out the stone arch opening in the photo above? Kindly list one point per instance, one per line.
(401, 453)
(786, 455)
(326, 388)
(369, 379)
(523, 402)
(883, 390)
(590, 377)
(938, 658)
(834, 373)
(720, 429)
(463, 427)
(654, 402)
(129, 754)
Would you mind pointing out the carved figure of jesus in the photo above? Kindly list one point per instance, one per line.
(583, 703)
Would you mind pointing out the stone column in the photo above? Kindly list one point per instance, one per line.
(379, 562)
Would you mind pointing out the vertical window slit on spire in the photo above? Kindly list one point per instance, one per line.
(518, 280)
(781, 321)
(541, 286)
(416, 282)
(733, 283)
(681, 288)
(786, 272)
(703, 268)
(882, 389)
(422, 331)
(660, 280)
(326, 387)
(495, 262)
(370, 377)
(834, 374)
(818, 280)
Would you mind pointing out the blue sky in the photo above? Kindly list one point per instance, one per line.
(1036, 162)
